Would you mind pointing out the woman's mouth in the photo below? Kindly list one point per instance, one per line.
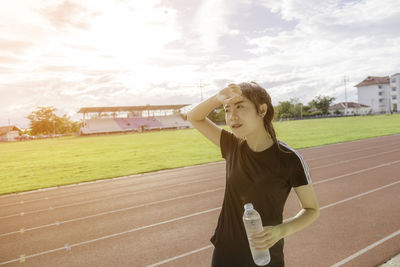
(236, 126)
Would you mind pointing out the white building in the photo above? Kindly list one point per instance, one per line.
(9, 133)
(395, 91)
(352, 108)
(380, 93)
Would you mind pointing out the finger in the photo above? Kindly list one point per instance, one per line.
(262, 233)
(237, 98)
(235, 89)
(254, 236)
(258, 240)
(261, 240)
(232, 100)
(262, 246)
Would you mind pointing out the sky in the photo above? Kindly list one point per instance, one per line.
(73, 54)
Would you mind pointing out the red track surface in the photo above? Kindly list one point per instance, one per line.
(166, 218)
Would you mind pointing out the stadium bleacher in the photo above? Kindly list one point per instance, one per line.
(131, 121)
(97, 125)
(173, 121)
(135, 123)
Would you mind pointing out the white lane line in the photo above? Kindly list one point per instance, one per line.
(354, 141)
(286, 220)
(111, 180)
(356, 172)
(105, 198)
(149, 180)
(123, 195)
(122, 186)
(170, 170)
(156, 172)
(165, 222)
(359, 195)
(153, 178)
(58, 223)
(180, 256)
(350, 160)
(347, 152)
(362, 251)
(114, 235)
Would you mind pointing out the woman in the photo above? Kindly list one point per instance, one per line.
(259, 170)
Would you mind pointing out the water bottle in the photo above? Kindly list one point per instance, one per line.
(253, 225)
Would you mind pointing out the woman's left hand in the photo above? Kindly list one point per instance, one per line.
(267, 238)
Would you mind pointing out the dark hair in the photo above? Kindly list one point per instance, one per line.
(258, 96)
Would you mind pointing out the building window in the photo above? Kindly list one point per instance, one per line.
(393, 80)
(380, 100)
(394, 97)
(380, 86)
(380, 93)
(394, 89)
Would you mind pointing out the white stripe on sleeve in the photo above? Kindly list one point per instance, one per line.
(303, 162)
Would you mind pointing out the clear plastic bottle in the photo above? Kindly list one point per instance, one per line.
(253, 225)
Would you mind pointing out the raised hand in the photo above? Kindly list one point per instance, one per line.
(230, 94)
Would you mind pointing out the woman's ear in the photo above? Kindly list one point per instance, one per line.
(263, 110)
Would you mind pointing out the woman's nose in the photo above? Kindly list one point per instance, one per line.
(233, 115)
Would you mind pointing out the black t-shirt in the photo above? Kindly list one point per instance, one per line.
(263, 178)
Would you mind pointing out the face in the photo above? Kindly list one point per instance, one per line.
(242, 118)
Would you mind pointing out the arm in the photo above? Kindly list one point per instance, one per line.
(308, 214)
(198, 118)
(198, 115)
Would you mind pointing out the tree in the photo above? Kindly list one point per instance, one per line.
(217, 115)
(322, 103)
(45, 121)
(297, 107)
(285, 109)
(289, 109)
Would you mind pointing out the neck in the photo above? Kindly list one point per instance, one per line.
(259, 141)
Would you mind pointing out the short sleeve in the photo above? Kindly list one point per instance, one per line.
(300, 172)
(228, 142)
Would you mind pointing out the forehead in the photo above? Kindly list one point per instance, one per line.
(243, 101)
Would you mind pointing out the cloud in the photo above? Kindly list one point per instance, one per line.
(53, 68)
(211, 23)
(6, 70)
(66, 14)
(300, 10)
(14, 46)
(324, 46)
(9, 59)
(71, 54)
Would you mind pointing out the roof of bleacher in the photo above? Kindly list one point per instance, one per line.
(130, 108)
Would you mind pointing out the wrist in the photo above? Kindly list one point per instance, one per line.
(282, 230)
(217, 101)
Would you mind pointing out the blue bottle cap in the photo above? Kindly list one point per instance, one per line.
(248, 206)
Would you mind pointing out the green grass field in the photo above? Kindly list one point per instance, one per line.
(46, 163)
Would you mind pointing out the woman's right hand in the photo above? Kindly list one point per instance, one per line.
(230, 94)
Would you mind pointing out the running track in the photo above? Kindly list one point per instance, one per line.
(166, 218)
